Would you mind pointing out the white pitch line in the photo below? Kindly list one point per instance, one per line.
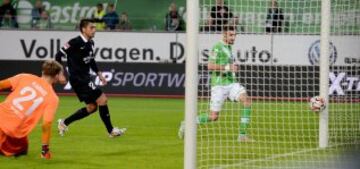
(273, 157)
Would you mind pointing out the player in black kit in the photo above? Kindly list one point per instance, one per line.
(79, 52)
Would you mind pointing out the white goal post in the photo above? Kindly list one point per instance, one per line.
(324, 72)
(191, 83)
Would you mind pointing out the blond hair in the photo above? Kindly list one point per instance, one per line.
(51, 68)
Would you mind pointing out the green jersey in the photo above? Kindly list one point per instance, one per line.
(221, 54)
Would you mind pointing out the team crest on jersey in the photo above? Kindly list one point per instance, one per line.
(66, 46)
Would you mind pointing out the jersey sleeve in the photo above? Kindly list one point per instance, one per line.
(65, 50)
(72, 44)
(50, 110)
(14, 81)
(93, 64)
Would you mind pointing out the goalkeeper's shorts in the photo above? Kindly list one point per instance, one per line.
(220, 93)
(10, 146)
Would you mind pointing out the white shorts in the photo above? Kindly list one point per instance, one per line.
(220, 93)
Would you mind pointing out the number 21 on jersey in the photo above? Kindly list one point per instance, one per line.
(28, 101)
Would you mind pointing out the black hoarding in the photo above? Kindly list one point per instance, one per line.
(136, 79)
(169, 79)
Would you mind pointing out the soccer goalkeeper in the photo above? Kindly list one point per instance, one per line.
(224, 85)
(31, 99)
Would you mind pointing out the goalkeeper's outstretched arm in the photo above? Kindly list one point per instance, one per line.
(5, 84)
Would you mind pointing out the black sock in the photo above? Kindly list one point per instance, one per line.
(105, 117)
(81, 113)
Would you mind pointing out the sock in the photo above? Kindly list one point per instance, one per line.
(245, 120)
(105, 117)
(81, 113)
(203, 118)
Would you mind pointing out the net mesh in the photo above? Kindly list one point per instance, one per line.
(277, 51)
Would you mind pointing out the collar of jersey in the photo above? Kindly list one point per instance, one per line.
(83, 38)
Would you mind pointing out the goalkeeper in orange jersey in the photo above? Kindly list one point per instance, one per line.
(31, 98)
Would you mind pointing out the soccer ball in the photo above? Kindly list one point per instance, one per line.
(317, 104)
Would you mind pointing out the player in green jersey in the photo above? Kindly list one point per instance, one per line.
(224, 85)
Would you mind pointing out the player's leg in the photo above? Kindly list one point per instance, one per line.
(104, 112)
(2, 141)
(84, 92)
(245, 116)
(218, 96)
(105, 117)
(77, 115)
(238, 93)
(13, 146)
(81, 113)
(204, 118)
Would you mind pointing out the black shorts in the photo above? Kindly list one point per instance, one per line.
(86, 91)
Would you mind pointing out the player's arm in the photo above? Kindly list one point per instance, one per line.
(63, 53)
(46, 128)
(95, 68)
(10, 83)
(5, 84)
(214, 65)
(218, 67)
(46, 134)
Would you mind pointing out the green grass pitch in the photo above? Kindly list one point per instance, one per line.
(285, 132)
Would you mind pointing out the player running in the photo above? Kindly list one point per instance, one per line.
(31, 98)
(79, 52)
(224, 85)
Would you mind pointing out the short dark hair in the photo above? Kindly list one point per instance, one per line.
(51, 68)
(227, 28)
(99, 5)
(111, 5)
(84, 23)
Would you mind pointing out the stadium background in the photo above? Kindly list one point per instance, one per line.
(149, 16)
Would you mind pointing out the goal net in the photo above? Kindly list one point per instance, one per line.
(277, 50)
